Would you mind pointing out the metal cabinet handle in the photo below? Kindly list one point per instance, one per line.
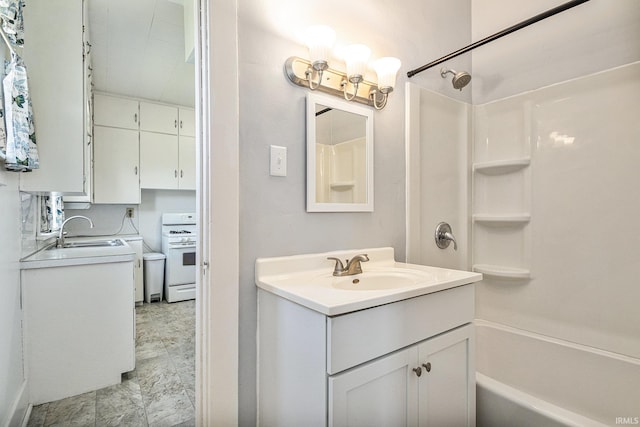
(418, 371)
(136, 170)
(135, 118)
(175, 173)
(427, 366)
(181, 173)
(175, 123)
(180, 124)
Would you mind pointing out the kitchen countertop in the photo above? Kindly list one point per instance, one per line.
(47, 258)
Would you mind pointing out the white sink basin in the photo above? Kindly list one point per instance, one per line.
(393, 278)
(308, 280)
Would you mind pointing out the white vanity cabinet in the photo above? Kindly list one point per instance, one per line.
(408, 363)
(56, 59)
(424, 385)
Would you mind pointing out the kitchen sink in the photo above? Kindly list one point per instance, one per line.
(91, 244)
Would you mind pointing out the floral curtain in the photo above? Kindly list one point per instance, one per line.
(17, 131)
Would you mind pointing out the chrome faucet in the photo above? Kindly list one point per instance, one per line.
(353, 265)
(60, 239)
(444, 236)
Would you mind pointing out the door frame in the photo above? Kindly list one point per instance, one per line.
(217, 206)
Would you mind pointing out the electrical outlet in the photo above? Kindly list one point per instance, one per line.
(129, 212)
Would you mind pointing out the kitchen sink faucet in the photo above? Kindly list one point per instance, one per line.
(60, 239)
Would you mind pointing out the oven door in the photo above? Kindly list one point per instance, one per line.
(181, 264)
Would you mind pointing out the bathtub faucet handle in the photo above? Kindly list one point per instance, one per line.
(444, 236)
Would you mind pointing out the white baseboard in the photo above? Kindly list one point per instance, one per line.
(20, 410)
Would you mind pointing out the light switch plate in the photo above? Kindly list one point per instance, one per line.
(278, 164)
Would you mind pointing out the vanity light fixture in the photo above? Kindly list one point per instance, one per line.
(316, 74)
(319, 40)
(356, 57)
(386, 69)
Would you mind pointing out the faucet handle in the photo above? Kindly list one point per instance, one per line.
(339, 267)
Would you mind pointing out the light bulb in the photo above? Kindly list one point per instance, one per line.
(386, 69)
(319, 39)
(356, 57)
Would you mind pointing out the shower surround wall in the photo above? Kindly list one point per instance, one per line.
(584, 240)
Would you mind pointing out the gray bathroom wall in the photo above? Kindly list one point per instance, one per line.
(273, 217)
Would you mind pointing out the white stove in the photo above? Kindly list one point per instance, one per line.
(179, 245)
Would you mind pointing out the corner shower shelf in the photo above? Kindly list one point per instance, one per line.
(342, 185)
(502, 219)
(502, 271)
(499, 167)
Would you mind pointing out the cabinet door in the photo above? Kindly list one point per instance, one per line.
(115, 112)
(379, 393)
(136, 245)
(187, 122)
(53, 56)
(115, 167)
(447, 387)
(187, 158)
(158, 118)
(158, 160)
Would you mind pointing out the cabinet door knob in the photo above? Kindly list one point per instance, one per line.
(418, 371)
(427, 366)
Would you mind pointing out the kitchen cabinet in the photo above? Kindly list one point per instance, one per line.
(165, 147)
(158, 118)
(116, 112)
(135, 242)
(56, 59)
(408, 363)
(168, 161)
(78, 325)
(116, 166)
(187, 121)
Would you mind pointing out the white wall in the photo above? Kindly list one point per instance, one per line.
(273, 220)
(595, 36)
(584, 240)
(438, 135)
(13, 394)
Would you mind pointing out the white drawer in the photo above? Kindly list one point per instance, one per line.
(360, 336)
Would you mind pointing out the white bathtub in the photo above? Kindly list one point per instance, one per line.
(526, 379)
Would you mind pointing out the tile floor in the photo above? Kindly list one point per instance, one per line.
(159, 392)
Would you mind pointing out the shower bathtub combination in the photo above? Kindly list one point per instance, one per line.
(531, 380)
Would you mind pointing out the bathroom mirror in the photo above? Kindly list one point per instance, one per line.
(339, 155)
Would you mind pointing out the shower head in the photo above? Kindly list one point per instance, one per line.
(460, 79)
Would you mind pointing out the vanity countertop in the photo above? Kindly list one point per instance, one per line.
(46, 258)
(308, 281)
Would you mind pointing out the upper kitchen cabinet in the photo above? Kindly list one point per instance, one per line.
(56, 59)
(116, 112)
(158, 118)
(116, 164)
(187, 121)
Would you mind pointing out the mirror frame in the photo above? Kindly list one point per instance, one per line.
(338, 104)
